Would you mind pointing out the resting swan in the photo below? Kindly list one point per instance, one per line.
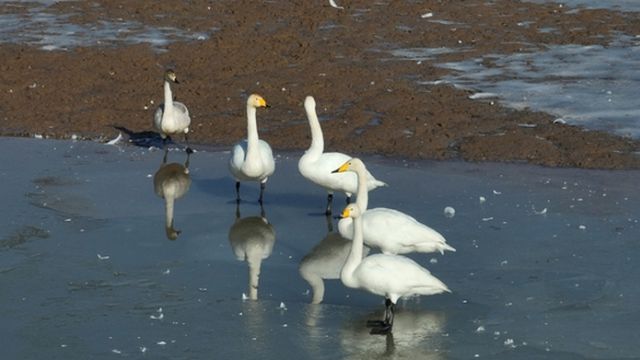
(316, 165)
(171, 117)
(392, 231)
(252, 159)
(391, 276)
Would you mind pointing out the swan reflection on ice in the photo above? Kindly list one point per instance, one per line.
(416, 335)
(252, 239)
(325, 261)
(171, 182)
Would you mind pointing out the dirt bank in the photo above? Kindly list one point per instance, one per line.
(369, 101)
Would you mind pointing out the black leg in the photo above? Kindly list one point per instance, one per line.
(386, 325)
(187, 162)
(348, 199)
(186, 140)
(329, 223)
(238, 192)
(262, 186)
(329, 203)
(164, 159)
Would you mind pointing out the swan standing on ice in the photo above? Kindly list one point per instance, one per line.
(252, 159)
(316, 165)
(171, 182)
(171, 117)
(392, 231)
(391, 276)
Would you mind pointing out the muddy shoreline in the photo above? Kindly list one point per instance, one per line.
(369, 101)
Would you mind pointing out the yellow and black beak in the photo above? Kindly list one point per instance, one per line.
(263, 103)
(346, 213)
(344, 167)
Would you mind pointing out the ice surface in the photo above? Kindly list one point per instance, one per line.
(53, 31)
(524, 285)
(621, 5)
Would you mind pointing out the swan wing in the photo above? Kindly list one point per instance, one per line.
(157, 118)
(237, 159)
(182, 116)
(266, 154)
(395, 276)
(395, 232)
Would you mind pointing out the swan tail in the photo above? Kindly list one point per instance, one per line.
(447, 247)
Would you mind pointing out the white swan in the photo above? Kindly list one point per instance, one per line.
(252, 239)
(391, 276)
(392, 231)
(171, 117)
(252, 159)
(316, 165)
(171, 182)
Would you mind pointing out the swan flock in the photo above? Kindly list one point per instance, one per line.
(393, 233)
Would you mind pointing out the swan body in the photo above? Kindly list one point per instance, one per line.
(171, 182)
(171, 117)
(252, 159)
(252, 240)
(391, 276)
(395, 232)
(316, 165)
(392, 231)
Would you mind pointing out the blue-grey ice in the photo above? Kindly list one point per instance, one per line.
(562, 285)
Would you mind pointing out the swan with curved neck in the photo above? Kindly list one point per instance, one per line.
(252, 159)
(391, 276)
(392, 231)
(316, 165)
(171, 117)
(171, 182)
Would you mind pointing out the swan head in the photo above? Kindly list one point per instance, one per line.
(170, 76)
(353, 164)
(172, 234)
(256, 101)
(351, 211)
(309, 103)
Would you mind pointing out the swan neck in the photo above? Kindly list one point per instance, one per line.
(168, 96)
(252, 130)
(362, 196)
(355, 255)
(317, 140)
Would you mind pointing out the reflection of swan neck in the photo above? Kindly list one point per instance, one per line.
(317, 286)
(355, 256)
(168, 97)
(169, 201)
(317, 140)
(254, 276)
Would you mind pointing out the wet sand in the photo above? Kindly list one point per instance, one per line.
(369, 101)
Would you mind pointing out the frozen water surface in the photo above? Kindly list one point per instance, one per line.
(546, 263)
(590, 86)
(51, 31)
(620, 5)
